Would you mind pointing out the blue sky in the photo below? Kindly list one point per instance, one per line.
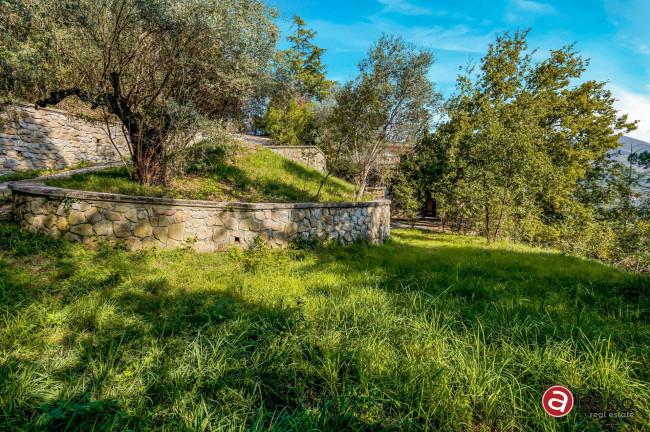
(614, 34)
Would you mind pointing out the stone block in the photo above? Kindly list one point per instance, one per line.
(290, 228)
(82, 229)
(161, 234)
(182, 216)
(214, 221)
(150, 243)
(176, 231)
(143, 229)
(103, 228)
(49, 220)
(122, 229)
(304, 226)
(71, 237)
(296, 215)
(165, 221)
(250, 224)
(173, 244)
(133, 244)
(62, 223)
(220, 235)
(112, 216)
(231, 223)
(131, 214)
(203, 233)
(92, 215)
(76, 217)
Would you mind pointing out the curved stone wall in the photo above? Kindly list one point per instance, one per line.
(206, 226)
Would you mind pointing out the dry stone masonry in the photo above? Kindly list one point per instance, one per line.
(141, 222)
(306, 155)
(44, 138)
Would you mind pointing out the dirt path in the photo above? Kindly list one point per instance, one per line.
(430, 224)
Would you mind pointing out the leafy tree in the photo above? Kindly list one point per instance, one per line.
(518, 137)
(389, 103)
(302, 82)
(292, 124)
(307, 80)
(159, 66)
(405, 191)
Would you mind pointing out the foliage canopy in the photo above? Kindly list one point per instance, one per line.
(159, 66)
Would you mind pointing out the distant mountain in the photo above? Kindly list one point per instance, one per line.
(629, 145)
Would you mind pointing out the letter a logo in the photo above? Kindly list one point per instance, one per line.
(557, 401)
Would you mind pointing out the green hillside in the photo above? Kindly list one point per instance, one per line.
(252, 174)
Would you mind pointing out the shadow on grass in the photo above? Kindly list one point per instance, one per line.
(490, 287)
(245, 348)
(231, 353)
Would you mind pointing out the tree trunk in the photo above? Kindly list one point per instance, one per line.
(363, 180)
(487, 223)
(149, 164)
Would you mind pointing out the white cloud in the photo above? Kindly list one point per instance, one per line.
(405, 8)
(536, 7)
(637, 106)
(455, 38)
(359, 35)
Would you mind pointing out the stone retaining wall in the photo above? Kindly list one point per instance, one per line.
(44, 138)
(306, 155)
(206, 226)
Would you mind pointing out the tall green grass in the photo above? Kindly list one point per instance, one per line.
(256, 175)
(427, 332)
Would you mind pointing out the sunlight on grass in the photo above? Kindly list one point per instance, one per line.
(252, 176)
(427, 332)
(29, 174)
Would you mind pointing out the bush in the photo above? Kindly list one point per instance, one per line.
(293, 124)
(407, 201)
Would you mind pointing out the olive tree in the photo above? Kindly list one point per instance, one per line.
(390, 102)
(158, 66)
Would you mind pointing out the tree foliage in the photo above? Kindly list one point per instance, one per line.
(307, 73)
(159, 66)
(390, 102)
(518, 137)
(301, 83)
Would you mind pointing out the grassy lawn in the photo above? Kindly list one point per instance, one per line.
(29, 174)
(427, 332)
(252, 175)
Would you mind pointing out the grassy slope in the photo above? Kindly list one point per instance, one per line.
(429, 332)
(254, 175)
(29, 174)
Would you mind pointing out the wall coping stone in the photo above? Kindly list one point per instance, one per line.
(33, 187)
(36, 107)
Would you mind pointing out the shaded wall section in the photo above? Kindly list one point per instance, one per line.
(44, 138)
